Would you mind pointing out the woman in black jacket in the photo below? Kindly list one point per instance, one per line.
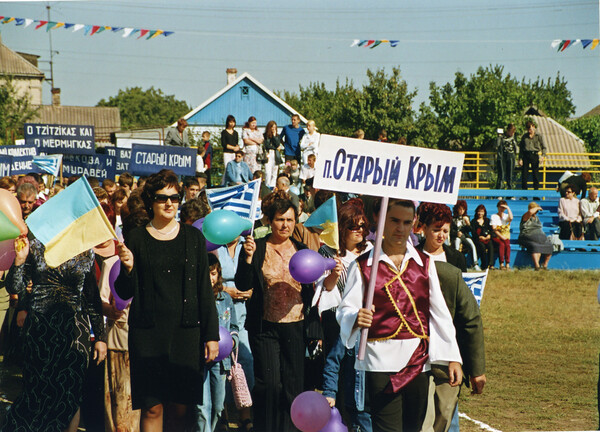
(482, 237)
(271, 145)
(276, 317)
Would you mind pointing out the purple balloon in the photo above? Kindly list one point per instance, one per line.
(115, 270)
(225, 344)
(310, 411)
(306, 266)
(335, 423)
(209, 246)
(7, 254)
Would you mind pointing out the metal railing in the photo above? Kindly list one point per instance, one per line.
(479, 169)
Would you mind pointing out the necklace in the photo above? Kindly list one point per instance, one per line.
(162, 233)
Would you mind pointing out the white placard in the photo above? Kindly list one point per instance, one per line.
(383, 169)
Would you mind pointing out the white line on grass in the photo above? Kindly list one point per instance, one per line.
(478, 423)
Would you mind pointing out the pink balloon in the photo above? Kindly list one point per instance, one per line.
(335, 423)
(112, 277)
(310, 411)
(7, 254)
(209, 246)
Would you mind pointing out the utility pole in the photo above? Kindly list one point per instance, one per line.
(51, 51)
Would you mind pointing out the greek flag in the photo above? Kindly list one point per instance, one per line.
(50, 164)
(476, 283)
(242, 199)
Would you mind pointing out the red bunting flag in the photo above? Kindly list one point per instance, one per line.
(143, 33)
(41, 24)
(94, 29)
(566, 45)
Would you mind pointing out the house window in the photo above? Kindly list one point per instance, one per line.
(245, 92)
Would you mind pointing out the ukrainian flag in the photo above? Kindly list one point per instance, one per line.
(325, 217)
(70, 223)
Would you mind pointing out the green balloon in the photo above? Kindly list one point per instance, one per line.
(8, 230)
(223, 226)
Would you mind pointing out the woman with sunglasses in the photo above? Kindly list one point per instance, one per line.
(569, 216)
(173, 325)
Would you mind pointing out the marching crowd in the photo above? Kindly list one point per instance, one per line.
(151, 365)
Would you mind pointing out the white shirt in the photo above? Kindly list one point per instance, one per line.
(392, 355)
(309, 144)
(306, 172)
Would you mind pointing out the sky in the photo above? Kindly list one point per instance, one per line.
(285, 45)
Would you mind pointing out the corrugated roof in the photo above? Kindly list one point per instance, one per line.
(104, 119)
(559, 139)
(13, 64)
(593, 112)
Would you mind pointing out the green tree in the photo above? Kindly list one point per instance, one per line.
(15, 110)
(146, 108)
(384, 102)
(588, 129)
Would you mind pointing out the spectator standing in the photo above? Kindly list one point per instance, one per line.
(237, 171)
(27, 196)
(272, 143)
(291, 136)
(482, 236)
(253, 140)
(126, 182)
(109, 186)
(460, 231)
(506, 150)
(532, 237)
(590, 214)
(230, 140)
(207, 157)
(309, 144)
(179, 135)
(530, 146)
(500, 223)
(308, 170)
(569, 217)
(293, 172)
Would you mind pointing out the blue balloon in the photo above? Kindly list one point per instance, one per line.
(223, 226)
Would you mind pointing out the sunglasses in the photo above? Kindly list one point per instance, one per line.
(162, 198)
(357, 227)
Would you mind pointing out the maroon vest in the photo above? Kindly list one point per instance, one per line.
(401, 311)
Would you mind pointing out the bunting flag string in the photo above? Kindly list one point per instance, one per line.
(373, 43)
(563, 44)
(88, 29)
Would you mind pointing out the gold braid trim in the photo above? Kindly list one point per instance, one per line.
(404, 324)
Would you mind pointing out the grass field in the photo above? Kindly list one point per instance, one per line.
(541, 334)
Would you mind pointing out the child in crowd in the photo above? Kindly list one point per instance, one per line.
(200, 168)
(293, 171)
(215, 374)
(207, 156)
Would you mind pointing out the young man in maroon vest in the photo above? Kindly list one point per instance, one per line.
(410, 326)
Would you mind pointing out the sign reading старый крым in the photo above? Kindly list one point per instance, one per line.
(383, 169)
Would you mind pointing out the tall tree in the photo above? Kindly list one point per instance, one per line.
(146, 108)
(588, 129)
(15, 110)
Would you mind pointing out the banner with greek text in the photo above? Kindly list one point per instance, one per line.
(122, 155)
(392, 170)
(64, 139)
(98, 165)
(5, 165)
(149, 159)
(21, 158)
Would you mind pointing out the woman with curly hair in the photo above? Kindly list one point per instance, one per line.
(173, 325)
(460, 230)
(482, 236)
(435, 220)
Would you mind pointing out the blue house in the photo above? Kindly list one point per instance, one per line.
(244, 96)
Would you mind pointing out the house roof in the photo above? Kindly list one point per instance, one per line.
(559, 139)
(13, 64)
(194, 114)
(104, 119)
(593, 112)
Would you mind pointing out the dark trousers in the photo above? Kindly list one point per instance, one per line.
(506, 167)
(208, 178)
(592, 230)
(567, 228)
(396, 412)
(530, 159)
(279, 374)
(485, 251)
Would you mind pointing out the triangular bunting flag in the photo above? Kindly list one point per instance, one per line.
(50, 25)
(168, 33)
(41, 24)
(28, 22)
(377, 43)
(355, 42)
(143, 33)
(135, 31)
(101, 29)
(94, 29)
(20, 21)
(575, 42)
(560, 45)
(127, 32)
(59, 25)
(69, 25)
(585, 43)
(393, 43)
(77, 27)
(157, 33)
(370, 42)
(362, 42)
(86, 29)
(116, 29)
(554, 43)
(7, 20)
(566, 45)
(595, 43)
(1, 17)
(151, 34)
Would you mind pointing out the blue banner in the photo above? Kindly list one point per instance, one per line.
(98, 165)
(21, 158)
(5, 165)
(123, 156)
(150, 159)
(64, 139)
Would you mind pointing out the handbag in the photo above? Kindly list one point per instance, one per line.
(239, 385)
(262, 157)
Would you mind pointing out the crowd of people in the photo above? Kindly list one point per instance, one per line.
(151, 365)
